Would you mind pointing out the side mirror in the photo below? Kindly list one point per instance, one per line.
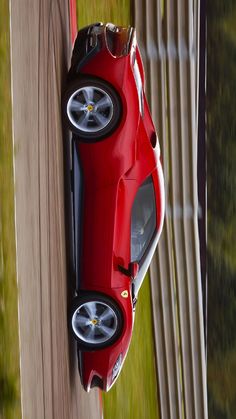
(133, 269)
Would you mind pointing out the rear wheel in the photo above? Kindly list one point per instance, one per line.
(96, 321)
(91, 108)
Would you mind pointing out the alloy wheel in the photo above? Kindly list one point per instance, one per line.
(94, 322)
(90, 109)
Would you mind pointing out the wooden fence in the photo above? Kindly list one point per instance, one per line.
(168, 33)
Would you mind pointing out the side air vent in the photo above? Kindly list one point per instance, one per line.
(153, 139)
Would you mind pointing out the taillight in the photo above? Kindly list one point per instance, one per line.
(118, 39)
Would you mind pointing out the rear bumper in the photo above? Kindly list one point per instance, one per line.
(94, 38)
(84, 49)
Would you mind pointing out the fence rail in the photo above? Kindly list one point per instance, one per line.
(169, 41)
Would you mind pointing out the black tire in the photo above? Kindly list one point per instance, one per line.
(114, 323)
(112, 113)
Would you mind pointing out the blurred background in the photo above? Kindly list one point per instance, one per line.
(182, 359)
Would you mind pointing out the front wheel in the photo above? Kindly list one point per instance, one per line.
(91, 108)
(96, 321)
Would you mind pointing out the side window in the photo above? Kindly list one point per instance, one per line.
(143, 219)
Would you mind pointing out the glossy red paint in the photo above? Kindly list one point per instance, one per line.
(73, 20)
(113, 170)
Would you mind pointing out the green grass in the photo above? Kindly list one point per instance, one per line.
(9, 343)
(135, 393)
(221, 216)
(162, 8)
(221, 375)
(115, 11)
(228, 25)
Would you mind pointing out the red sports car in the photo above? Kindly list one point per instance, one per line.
(118, 195)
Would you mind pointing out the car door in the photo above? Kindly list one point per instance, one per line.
(143, 229)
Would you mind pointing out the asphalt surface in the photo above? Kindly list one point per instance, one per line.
(40, 43)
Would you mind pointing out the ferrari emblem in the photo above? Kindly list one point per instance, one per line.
(125, 294)
(90, 108)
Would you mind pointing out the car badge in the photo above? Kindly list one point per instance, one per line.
(125, 294)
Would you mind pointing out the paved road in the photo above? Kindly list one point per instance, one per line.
(40, 55)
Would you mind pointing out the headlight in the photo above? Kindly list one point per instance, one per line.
(116, 367)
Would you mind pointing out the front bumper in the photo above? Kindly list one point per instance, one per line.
(92, 381)
(96, 367)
